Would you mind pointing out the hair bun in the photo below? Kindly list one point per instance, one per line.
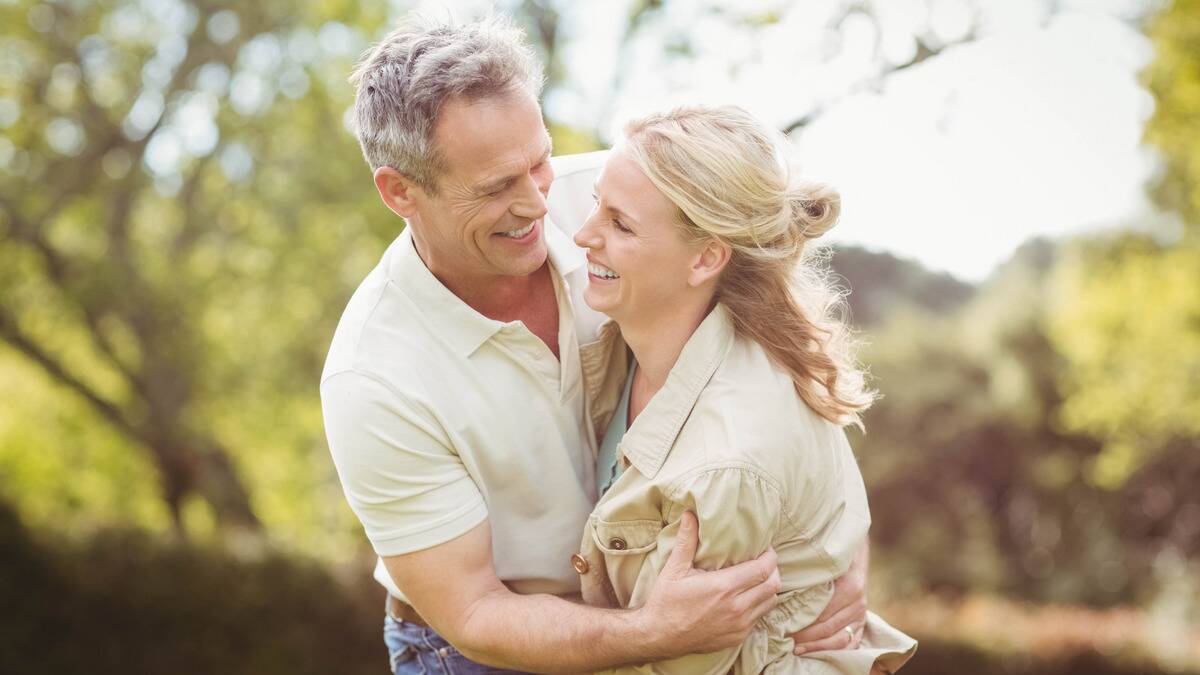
(815, 208)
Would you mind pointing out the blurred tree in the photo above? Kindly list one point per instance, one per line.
(176, 180)
(1173, 77)
(965, 453)
(1127, 318)
(880, 282)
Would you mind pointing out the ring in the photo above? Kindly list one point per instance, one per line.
(850, 632)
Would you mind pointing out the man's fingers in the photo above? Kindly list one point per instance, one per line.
(753, 575)
(765, 605)
(851, 615)
(763, 591)
(679, 563)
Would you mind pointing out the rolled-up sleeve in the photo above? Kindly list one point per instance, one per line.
(399, 471)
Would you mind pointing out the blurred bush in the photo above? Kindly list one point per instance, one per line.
(123, 603)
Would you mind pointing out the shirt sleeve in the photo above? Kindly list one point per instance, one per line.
(738, 511)
(398, 469)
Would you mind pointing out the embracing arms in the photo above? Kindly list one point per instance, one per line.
(454, 588)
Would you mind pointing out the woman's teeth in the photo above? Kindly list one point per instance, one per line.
(602, 272)
(517, 234)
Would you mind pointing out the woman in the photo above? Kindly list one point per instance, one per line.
(740, 383)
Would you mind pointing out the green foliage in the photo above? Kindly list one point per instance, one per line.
(183, 220)
(1126, 322)
(1174, 80)
(1129, 325)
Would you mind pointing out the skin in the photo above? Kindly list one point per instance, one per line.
(665, 288)
(496, 180)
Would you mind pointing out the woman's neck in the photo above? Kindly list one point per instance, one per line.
(656, 342)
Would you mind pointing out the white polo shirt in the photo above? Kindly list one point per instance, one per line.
(439, 417)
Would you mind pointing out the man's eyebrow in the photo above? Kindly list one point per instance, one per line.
(500, 182)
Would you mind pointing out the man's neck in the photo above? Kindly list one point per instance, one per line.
(498, 297)
(502, 298)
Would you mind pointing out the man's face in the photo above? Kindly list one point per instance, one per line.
(486, 218)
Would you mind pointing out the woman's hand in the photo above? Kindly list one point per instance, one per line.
(847, 609)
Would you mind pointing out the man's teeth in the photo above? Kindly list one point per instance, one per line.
(517, 234)
(602, 272)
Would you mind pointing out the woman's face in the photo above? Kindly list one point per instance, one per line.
(638, 261)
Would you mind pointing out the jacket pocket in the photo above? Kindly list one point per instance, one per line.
(625, 537)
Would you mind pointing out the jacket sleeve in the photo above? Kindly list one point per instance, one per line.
(738, 510)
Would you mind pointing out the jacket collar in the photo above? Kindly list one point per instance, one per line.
(652, 435)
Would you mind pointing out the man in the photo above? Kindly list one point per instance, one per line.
(453, 390)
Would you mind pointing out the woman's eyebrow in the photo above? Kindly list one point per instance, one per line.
(615, 209)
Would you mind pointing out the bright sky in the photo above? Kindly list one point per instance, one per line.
(1031, 129)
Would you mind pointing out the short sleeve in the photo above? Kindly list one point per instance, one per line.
(400, 474)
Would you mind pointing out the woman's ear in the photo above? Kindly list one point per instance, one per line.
(397, 191)
(714, 255)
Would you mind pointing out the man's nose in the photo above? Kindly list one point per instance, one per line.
(531, 203)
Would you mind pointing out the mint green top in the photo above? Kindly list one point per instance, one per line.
(607, 467)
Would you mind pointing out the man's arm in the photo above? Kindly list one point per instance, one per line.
(455, 589)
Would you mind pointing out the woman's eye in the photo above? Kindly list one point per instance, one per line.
(620, 226)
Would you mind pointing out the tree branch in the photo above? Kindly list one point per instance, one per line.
(62, 276)
(923, 53)
(11, 333)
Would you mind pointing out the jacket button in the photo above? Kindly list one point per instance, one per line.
(617, 544)
(580, 565)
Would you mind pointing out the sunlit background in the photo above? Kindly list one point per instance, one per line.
(184, 214)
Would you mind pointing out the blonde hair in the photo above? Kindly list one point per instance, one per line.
(729, 179)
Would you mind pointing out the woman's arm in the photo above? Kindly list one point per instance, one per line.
(738, 514)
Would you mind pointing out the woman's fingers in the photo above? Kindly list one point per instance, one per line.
(840, 640)
(830, 623)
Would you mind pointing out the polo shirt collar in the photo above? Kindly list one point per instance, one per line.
(456, 322)
(652, 435)
(564, 255)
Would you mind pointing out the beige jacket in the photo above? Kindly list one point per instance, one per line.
(728, 438)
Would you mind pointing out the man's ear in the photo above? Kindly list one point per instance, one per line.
(713, 257)
(397, 191)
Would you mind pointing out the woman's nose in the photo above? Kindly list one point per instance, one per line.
(586, 236)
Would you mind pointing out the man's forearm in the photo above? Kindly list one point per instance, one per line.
(546, 634)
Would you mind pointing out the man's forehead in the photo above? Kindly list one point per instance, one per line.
(480, 137)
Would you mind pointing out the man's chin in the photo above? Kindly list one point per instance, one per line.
(524, 265)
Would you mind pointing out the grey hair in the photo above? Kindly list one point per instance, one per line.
(402, 82)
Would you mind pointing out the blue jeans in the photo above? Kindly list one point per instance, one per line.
(418, 650)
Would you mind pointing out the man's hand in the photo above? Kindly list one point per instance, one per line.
(846, 609)
(696, 611)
